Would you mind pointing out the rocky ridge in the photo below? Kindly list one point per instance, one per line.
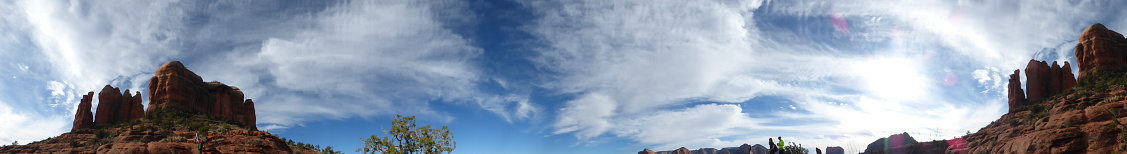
(742, 149)
(181, 106)
(1084, 116)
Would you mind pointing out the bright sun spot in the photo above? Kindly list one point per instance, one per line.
(896, 79)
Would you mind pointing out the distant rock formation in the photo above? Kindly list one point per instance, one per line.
(742, 149)
(890, 144)
(173, 86)
(682, 150)
(1100, 50)
(835, 150)
(646, 151)
(83, 118)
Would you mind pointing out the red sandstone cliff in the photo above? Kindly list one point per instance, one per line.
(173, 86)
(1087, 119)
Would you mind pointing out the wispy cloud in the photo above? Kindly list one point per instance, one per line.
(857, 69)
(300, 63)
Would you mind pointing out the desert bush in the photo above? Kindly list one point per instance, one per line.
(174, 138)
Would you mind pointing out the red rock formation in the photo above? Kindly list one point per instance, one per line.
(115, 107)
(125, 109)
(1043, 81)
(174, 86)
(1069, 78)
(137, 110)
(1082, 122)
(682, 150)
(1055, 79)
(1035, 75)
(1016, 94)
(110, 100)
(1100, 50)
(647, 151)
(83, 118)
(250, 114)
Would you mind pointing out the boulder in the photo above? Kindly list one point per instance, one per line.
(1100, 50)
(110, 100)
(1015, 93)
(83, 118)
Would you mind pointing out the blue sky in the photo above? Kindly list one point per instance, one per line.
(552, 76)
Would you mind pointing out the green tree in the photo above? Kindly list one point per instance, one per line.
(329, 150)
(408, 138)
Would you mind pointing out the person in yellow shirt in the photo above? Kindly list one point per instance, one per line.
(781, 145)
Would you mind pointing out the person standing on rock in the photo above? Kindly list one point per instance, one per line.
(771, 142)
(782, 145)
(199, 142)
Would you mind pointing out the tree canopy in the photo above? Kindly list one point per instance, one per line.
(408, 138)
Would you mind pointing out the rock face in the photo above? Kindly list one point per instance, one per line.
(1015, 93)
(149, 141)
(835, 150)
(83, 118)
(646, 151)
(1100, 50)
(1086, 120)
(137, 110)
(682, 150)
(1042, 80)
(113, 107)
(175, 87)
(890, 144)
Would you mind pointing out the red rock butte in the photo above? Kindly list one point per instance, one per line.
(173, 86)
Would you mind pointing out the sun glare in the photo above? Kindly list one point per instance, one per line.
(895, 79)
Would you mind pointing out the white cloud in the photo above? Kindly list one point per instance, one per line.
(651, 56)
(17, 123)
(359, 58)
(91, 44)
(698, 126)
(363, 58)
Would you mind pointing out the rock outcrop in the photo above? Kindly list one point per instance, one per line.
(682, 150)
(1015, 93)
(835, 150)
(1100, 50)
(1042, 80)
(647, 151)
(890, 144)
(114, 107)
(1086, 120)
(83, 118)
(173, 86)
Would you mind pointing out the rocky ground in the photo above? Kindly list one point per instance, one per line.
(161, 132)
